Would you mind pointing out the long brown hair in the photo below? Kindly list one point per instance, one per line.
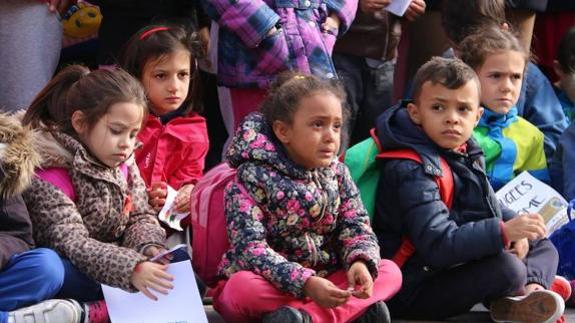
(154, 42)
(75, 88)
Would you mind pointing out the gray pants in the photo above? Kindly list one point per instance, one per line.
(30, 43)
(455, 291)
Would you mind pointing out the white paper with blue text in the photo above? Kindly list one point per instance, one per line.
(527, 194)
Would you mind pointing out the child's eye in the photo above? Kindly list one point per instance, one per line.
(337, 127)
(464, 108)
(133, 134)
(160, 76)
(317, 124)
(115, 131)
(516, 76)
(183, 74)
(437, 107)
(495, 75)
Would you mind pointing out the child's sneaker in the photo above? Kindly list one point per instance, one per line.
(50, 311)
(286, 314)
(561, 286)
(96, 312)
(541, 306)
(376, 313)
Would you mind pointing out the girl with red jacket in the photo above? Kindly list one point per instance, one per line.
(174, 137)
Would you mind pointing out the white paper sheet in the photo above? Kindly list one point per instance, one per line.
(398, 7)
(168, 215)
(181, 305)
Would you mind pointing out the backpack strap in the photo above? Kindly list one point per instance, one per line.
(444, 183)
(59, 177)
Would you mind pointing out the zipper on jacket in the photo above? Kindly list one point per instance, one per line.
(311, 248)
(322, 193)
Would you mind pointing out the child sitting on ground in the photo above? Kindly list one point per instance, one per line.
(26, 276)
(537, 102)
(476, 250)
(301, 247)
(88, 201)
(562, 179)
(174, 137)
(564, 67)
(510, 143)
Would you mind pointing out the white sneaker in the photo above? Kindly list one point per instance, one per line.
(541, 306)
(49, 311)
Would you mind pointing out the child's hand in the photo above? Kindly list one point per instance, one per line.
(520, 248)
(157, 194)
(182, 202)
(529, 226)
(331, 24)
(152, 251)
(358, 274)
(369, 6)
(416, 8)
(324, 292)
(149, 275)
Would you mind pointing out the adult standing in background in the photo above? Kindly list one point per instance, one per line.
(365, 60)
(31, 40)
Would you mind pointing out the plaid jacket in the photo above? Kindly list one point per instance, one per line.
(249, 59)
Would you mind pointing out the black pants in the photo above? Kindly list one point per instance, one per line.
(456, 290)
(369, 90)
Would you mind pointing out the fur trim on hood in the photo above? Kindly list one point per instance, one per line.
(18, 156)
(52, 152)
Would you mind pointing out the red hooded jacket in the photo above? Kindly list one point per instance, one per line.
(175, 152)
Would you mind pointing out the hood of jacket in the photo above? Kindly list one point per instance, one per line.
(395, 130)
(58, 149)
(255, 142)
(18, 156)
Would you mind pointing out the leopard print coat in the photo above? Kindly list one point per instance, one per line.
(97, 232)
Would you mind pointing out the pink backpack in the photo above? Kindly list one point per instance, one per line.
(208, 222)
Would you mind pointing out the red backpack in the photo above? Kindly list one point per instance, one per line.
(208, 222)
(369, 169)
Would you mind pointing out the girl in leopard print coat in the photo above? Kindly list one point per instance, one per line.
(88, 201)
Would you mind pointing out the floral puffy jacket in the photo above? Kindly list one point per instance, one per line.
(288, 223)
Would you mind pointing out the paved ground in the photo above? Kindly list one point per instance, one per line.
(479, 315)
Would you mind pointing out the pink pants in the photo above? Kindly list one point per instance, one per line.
(246, 297)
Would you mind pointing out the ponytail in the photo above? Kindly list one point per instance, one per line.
(49, 107)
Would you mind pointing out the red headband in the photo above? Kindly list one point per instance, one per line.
(151, 31)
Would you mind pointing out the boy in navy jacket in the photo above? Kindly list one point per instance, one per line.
(475, 251)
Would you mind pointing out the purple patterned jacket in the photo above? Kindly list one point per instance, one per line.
(287, 223)
(249, 59)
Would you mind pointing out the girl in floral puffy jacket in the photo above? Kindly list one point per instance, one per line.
(302, 248)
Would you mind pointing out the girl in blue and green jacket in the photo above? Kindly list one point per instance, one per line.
(510, 143)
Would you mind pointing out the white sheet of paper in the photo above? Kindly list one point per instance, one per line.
(182, 304)
(527, 194)
(398, 7)
(167, 213)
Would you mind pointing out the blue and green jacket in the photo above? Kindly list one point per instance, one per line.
(511, 145)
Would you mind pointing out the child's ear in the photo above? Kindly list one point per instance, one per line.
(281, 130)
(78, 122)
(479, 114)
(413, 111)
